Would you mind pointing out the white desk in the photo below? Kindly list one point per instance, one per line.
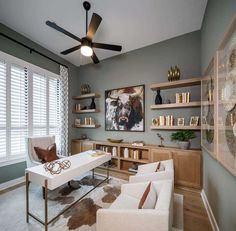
(80, 164)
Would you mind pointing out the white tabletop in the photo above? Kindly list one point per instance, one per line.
(80, 164)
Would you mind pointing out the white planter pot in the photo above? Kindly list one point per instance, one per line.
(184, 144)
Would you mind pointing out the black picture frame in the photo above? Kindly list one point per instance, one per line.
(125, 109)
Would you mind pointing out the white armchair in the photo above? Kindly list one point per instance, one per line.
(124, 214)
(31, 142)
(147, 172)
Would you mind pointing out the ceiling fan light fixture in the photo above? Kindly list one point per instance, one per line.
(86, 51)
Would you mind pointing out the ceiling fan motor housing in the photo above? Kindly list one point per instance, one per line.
(86, 42)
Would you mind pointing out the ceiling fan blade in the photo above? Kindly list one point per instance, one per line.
(107, 46)
(95, 58)
(93, 26)
(60, 29)
(66, 52)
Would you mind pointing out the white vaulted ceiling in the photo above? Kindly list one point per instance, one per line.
(130, 23)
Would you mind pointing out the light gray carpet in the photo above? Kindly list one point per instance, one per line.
(81, 217)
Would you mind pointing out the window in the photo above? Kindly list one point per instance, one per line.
(18, 110)
(29, 105)
(3, 123)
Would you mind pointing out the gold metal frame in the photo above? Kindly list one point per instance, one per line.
(46, 222)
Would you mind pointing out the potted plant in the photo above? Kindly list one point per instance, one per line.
(183, 138)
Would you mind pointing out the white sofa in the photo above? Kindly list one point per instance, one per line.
(124, 214)
(147, 172)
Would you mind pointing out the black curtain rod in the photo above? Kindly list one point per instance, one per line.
(32, 49)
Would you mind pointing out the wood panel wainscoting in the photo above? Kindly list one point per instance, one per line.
(187, 163)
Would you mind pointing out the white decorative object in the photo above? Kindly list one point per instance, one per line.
(114, 151)
(126, 153)
(77, 122)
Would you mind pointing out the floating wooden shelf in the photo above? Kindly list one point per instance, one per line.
(175, 127)
(177, 84)
(115, 157)
(176, 105)
(87, 126)
(86, 96)
(86, 111)
(134, 160)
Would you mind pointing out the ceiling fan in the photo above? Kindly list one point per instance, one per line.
(87, 44)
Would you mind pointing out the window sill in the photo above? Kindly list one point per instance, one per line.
(6, 162)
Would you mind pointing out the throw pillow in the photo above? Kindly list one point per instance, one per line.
(160, 167)
(149, 198)
(47, 155)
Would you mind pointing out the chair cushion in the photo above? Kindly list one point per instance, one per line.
(149, 198)
(124, 201)
(47, 155)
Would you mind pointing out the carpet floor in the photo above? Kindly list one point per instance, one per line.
(81, 217)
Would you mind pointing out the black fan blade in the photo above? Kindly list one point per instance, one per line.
(107, 46)
(95, 58)
(93, 26)
(60, 29)
(66, 52)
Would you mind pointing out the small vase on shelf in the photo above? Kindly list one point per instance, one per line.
(158, 99)
(92, 105)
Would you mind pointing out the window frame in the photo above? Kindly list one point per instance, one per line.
(31, 68)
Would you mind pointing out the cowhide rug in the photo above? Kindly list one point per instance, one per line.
(81, 217)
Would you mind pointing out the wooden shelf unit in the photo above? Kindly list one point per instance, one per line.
(187, 163)
(176, 84)
(176, 105)
(86, 96)
(86, 111)
(175, 127)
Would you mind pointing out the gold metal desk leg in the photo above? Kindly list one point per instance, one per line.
(27, 196)
(46, 205)
(108, 172)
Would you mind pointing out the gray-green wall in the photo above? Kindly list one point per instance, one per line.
(219, 185)
(147, 65)
(11, 172)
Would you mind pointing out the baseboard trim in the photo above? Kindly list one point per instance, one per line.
(210, 214)
(11, 183)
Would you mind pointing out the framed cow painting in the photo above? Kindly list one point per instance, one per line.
(124, 109)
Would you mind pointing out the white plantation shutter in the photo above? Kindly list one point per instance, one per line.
(3, 138)
(19, 110)
(33, 101)
(40, 98)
